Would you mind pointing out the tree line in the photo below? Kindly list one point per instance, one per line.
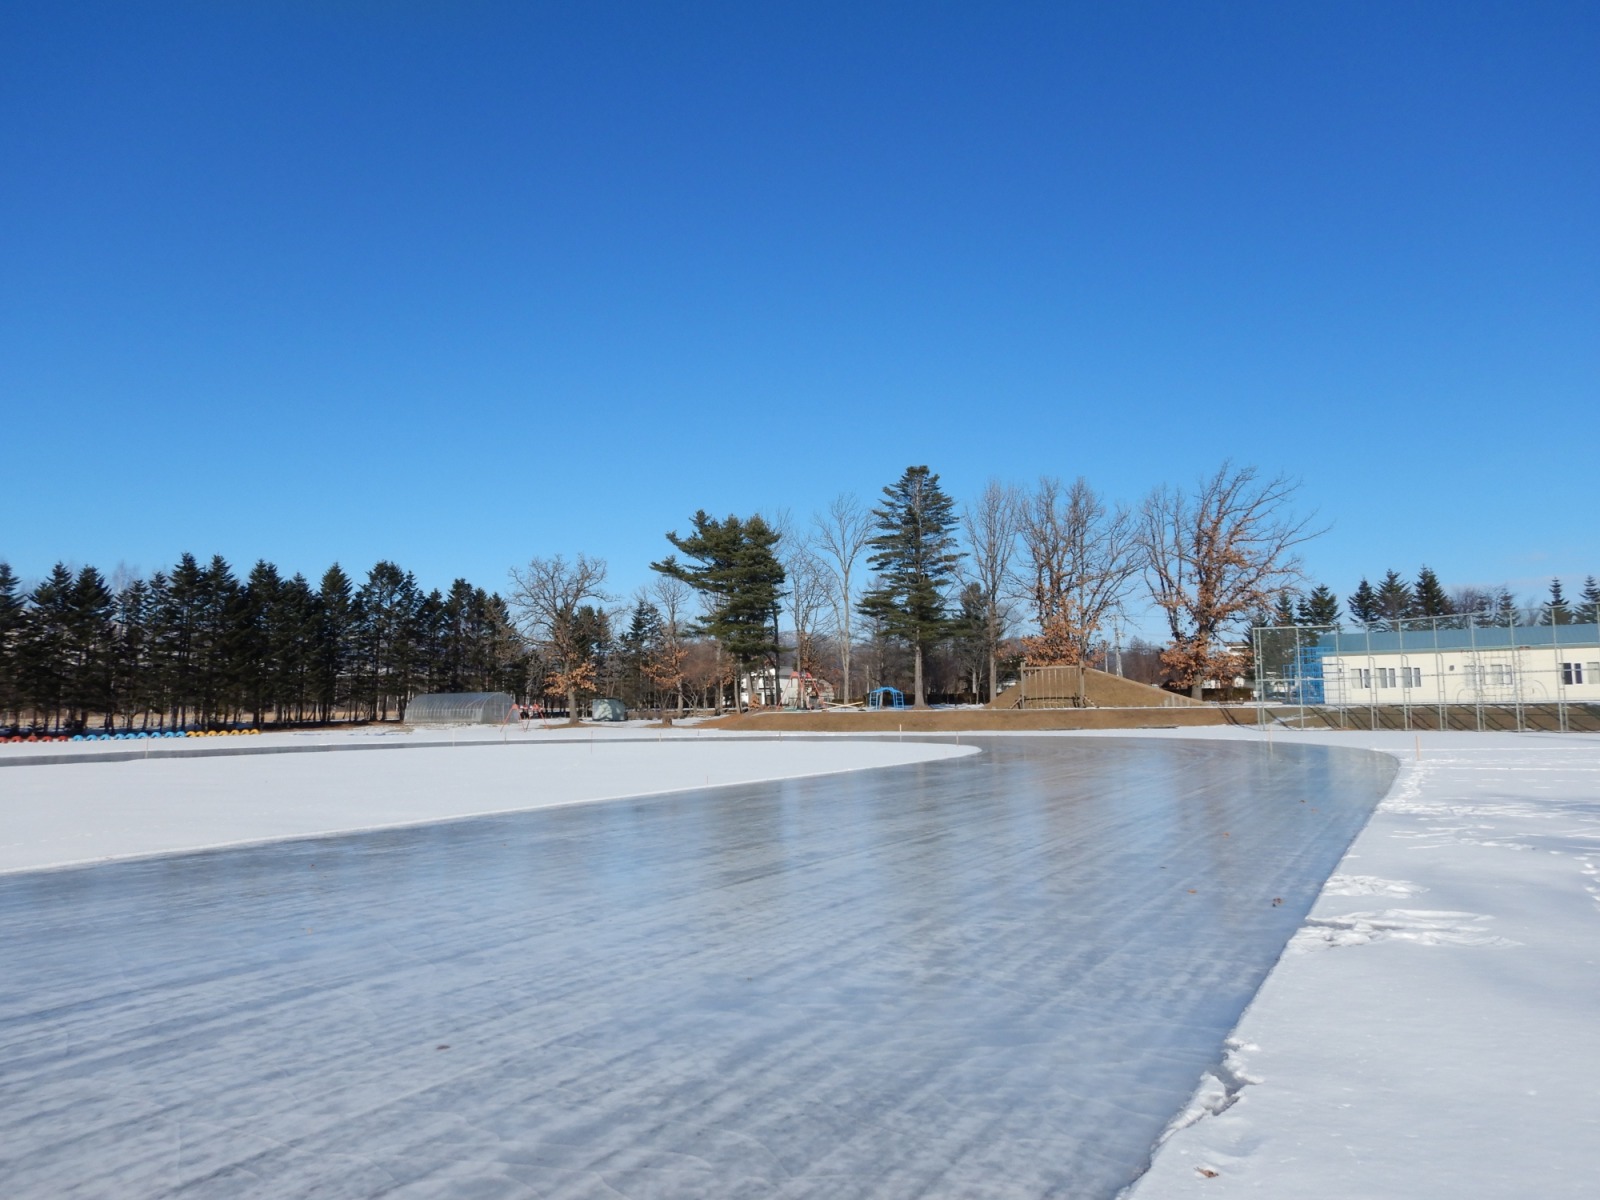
(1396, 599)
(198, 647)
(913, 590)
(942, 598)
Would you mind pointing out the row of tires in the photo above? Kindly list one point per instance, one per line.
(128, 737)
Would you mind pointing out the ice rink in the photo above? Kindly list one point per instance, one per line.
(992, 975)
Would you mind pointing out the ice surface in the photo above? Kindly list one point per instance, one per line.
(997, 975)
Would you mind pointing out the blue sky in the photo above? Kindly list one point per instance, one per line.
(460, 283)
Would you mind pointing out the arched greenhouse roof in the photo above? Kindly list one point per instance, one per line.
(461, 708)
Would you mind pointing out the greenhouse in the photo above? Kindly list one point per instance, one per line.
(461, 708)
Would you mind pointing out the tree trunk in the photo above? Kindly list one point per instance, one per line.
(572, 706)
(921, 700)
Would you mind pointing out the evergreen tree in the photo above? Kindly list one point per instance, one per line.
(1363, 603)
(46, 648)
(1556, 610)
(915, 559)
(1395, 599)
(636, 646)
(133, 665)
(254, 648)
(293, 633)
(386, 606)
(1505, 609)
(735, 568)
(335, 626)
(1283, 612)
(12, 617)
(90, 644)
(1319, 607)
(1589, 608)
(1429, 598)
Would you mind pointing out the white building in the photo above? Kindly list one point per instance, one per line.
(793, 690)
(1479, 664)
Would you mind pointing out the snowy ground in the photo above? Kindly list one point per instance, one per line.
(73, 813)
(1431, 1031)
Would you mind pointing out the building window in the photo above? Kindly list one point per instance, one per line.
(1411, 677)
(1571, 673)
(1363, 678)
(1386, 677)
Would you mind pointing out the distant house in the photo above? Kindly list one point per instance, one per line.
(794, 690)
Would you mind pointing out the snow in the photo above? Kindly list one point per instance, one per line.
(1428, 1032)
(1431, 1030)
(260, 789)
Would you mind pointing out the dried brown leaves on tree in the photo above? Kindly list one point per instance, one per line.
(547, 595)
(1215, 555)
(1080, 560)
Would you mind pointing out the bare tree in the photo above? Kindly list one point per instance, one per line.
(549, 596)
(1213, 557)
(842, 534)
(991, 526)
(809, 598)
(1081, 558)
(666, 666)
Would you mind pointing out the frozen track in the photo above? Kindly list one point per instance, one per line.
(990, 976)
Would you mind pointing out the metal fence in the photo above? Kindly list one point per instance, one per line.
(1455, 672)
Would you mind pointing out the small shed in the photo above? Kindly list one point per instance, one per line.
(886, 697)
(607, 708)
(461, 708)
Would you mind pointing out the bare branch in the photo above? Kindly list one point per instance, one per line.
(1214, 556)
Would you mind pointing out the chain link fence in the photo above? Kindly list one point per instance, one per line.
(1457, 672)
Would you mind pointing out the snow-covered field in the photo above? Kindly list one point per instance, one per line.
(75, 813)
(1434, 1029)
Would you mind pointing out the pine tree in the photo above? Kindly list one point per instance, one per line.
(1589, 609)
(1363, 603)
(293, 633)
(637, 645)
(46, 648)
(336, 620)
(1506, 611)
(254, 648)
(11, 625)
(1556, 610)
(1283, 612)
(90, 645)
(1319, 607)
(915, 558)
(1395, 599)
(735, 568)
(1429, 598)
(134, 667)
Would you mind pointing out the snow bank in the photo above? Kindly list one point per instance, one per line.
(75, 813)
(1430, 1032)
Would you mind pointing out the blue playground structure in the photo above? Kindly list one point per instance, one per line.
(886, 697)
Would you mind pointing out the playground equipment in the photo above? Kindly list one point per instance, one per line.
(885, 697)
